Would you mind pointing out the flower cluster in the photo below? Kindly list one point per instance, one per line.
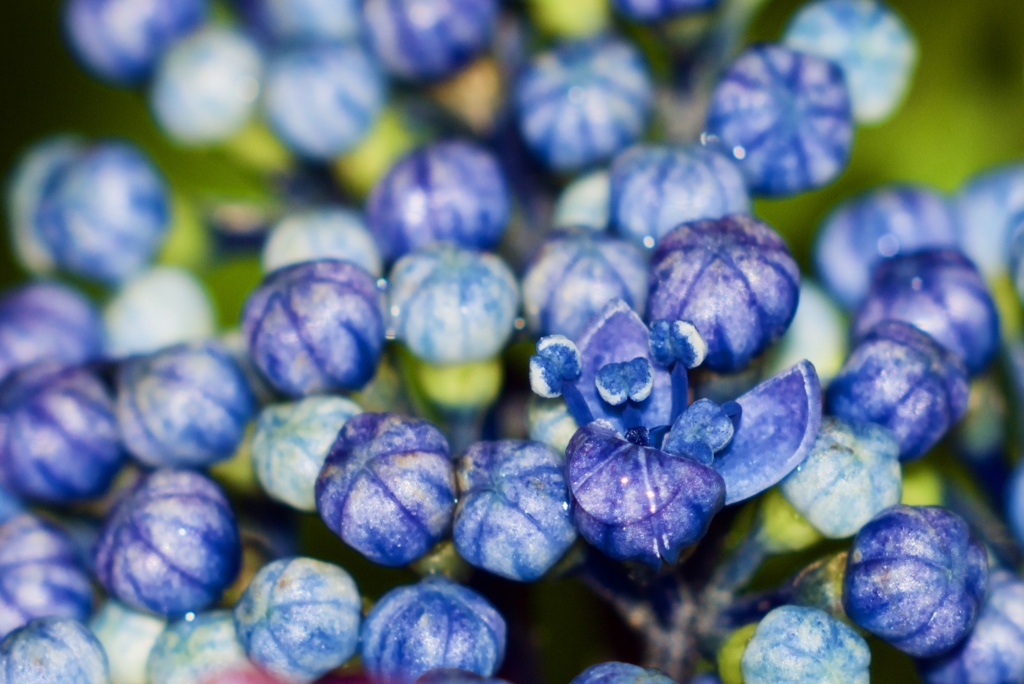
(512, 319)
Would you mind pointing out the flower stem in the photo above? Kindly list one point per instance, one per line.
(577, 404)
(680, 391)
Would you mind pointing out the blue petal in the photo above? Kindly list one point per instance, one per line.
(776, 431)
(638, 503)
(615, 335)
(704, 422)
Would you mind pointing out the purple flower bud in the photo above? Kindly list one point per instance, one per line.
(734, 279)
(387, 487)
(900, 378)
(863, 231)
(941, 293)
(400, 638)
(429, 39)
(786, 118)
(42, 575)
(916, 577)
(315, 327)
(574, 276)
(59, 440)
(47, 321)
(170, 545)
(583, 102)
(452, 191)
(513, 515)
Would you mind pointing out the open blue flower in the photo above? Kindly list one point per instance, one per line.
(646, 470)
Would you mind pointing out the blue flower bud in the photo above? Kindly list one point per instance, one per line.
(734, 279)
(702, 430)
(573, 277)
(638, 503)
(785, 117)
(994, 650)
(299, 618)
(290, 445)
(451, 191)
(303, 21)
(59, 440)
(862, 232)
(387, 487)
(156, 309)
(128, 637)
(325, 233)
(583, 102)
(654, 189)
(170, 545)
(851, 475)
(434, 624)
(659, 10)
(206, 87)
(35, 171)
(315, 327)
(196, 649)
(900, 378)
(549, 421)
(425, 40)
(47, 322)
(183, 407)
(630, 380)
(122, 46)
(451, 305)
(941, 293)
(106, 214)
(53, 651)
(513, 515)
(620, 673)
(869, 42)
(986, 207)
(798, 645)
(42, 575)
(916, 578)
(677, 342)
(584, 203)
(322, 99)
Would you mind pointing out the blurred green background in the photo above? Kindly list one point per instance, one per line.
(964, 113)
